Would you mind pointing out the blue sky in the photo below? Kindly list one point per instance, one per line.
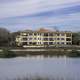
(33, 14)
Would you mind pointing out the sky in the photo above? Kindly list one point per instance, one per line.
(16, 15)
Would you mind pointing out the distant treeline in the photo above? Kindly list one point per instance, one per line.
(7, 38)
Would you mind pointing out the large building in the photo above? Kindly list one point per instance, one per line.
(43, 37)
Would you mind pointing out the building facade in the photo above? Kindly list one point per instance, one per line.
(43, 37)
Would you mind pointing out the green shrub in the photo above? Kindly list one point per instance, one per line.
(6, 53)
(74, 53)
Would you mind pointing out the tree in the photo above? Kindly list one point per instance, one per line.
(13, 38)
(4, 37)
(76, 38)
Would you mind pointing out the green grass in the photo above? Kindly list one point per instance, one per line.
(7, 53)
(73, 53)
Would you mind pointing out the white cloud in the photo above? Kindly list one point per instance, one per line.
(68, 22)
(17, 8)
(27, 7)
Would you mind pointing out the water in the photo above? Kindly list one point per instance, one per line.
(61, 67)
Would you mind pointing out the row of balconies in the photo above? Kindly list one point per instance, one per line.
(46, 34)
(44, 43)
(47, 39)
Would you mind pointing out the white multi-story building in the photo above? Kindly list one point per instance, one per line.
(43, 37)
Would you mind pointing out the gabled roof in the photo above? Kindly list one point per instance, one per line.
(27, 31)
(44, 30)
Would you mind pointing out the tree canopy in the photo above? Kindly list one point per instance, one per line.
(4, 37)
(76, 38)
(7, 38)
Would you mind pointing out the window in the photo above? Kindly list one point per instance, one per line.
(38, 38)
(58, 42)
(58, 38)
(68, 35)
(45, 43)
(62, 42)
(58, 34)
(34, 38)
(62, 34)
(62, 39)
(34, 43)
(51, 39)
(30, 42)
(35, 34)
(38, 33)
(50, 43)
(24, 38)
(50, 34)
(24, 43)
(45, 39)
(68, 43)
(40, 42)
(54, 34)
(30, 38)
(68, 39)
(30, 34)
(45, 34)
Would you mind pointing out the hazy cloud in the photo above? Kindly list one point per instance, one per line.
(23, 14)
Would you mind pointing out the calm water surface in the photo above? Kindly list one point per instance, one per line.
(68, 68)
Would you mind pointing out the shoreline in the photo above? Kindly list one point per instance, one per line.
(10, 53)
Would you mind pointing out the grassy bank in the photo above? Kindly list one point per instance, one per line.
(7, 53)
(41, 78)
(52, 47)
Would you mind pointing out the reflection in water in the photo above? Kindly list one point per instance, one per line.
(61, 67)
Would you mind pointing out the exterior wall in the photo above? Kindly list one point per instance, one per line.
(44, 38)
